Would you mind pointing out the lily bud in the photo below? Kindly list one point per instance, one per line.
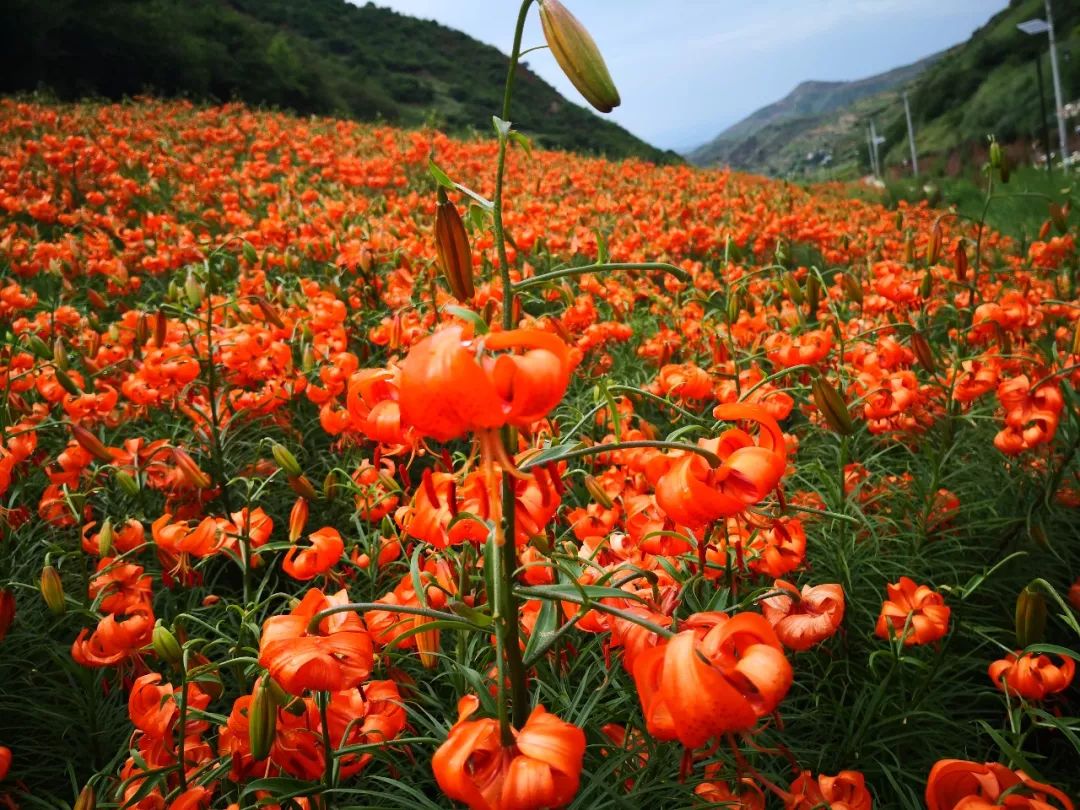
(596, 492)
(933, 250)
(285, 459)
(427, 642)
(66, 382)
(193, 290)
(60, 355)
(298, 517)
(302, 487)
(195, 476)
(832, 406)
(87, 800)
(262, 720)
(576, 52)
(1059, 215)
(38, 347)
(452, 244)
(270, 312)
(813, 294)
(960, 259)
(1030, 616)
(165, 645)
(126, 482)
(330, 486)
(926, 286)
(794, 291)
(52, 591)
(250, 255)
(995, 155)
(105, 538)
(852, 288)
(161, 328)
(91, 443)
(923, 353)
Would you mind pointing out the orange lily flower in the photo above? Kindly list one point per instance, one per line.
(542, 769)
(692, 494)
(307, 563)
(917, 607)
(5, 762)
(720, 675)
(747, 796)
(956, 784)
(845, 791)
(337, 657)
(446, 391)
(1032, 676)
(802, 620)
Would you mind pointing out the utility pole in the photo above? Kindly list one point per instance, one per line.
(870, 151)
(1062, 135)
(874, 142)
(911, 137)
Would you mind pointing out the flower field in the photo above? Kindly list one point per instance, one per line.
(345, 466)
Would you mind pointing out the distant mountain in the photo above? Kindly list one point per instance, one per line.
(776, 138)
(311, 56)
(984, 86)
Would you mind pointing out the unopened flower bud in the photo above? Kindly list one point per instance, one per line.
(91, 443)
(52, 590)
(165, 645)
(1030, 616)
(597, 493)
(105, 538)
(87, 800)
(576, 52)
(921, 347)
(302, 487)
(60, 355)
(832, 406)
(262, 720)
(126, 482)
(452, 245)
(186, 464)
(427, 642)
(298, 517)
(286, 460)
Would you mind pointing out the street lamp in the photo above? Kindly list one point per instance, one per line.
(1046, 26)
(1034, 28)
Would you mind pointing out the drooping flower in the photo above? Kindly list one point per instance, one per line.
(804, 619)
(542, 769)
(915, 612)
(450, 387)
(336, 657)
(692, 494)
(719, 675)
(1032, 676)
(956, 784)
(845, 791)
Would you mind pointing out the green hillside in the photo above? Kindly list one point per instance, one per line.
(777, 138)
(984, 86)
(310, 56)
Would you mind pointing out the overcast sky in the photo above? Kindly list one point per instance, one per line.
(687, 69)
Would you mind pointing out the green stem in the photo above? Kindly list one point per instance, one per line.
(713, 459)
(508, 606)
(328, 748)
(543, 278)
